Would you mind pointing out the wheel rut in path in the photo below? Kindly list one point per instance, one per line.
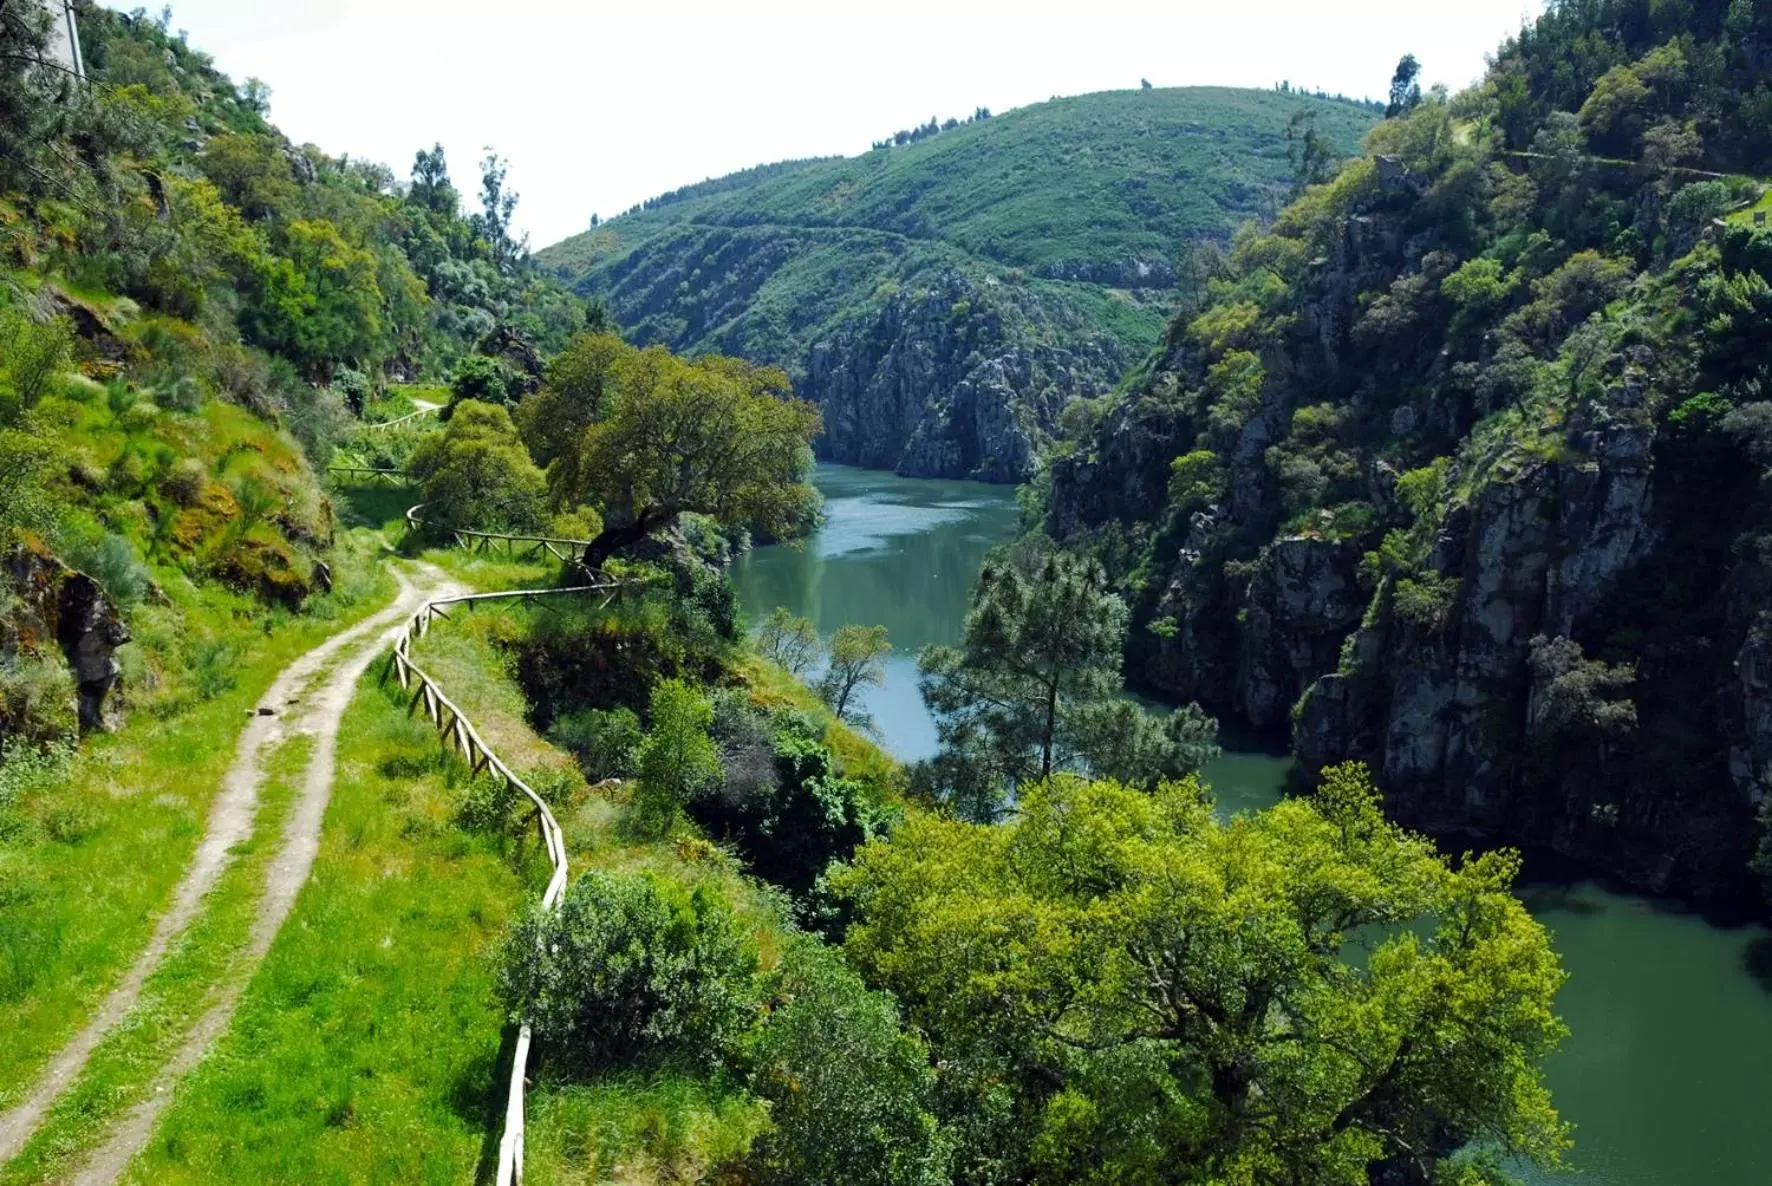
(297, 703)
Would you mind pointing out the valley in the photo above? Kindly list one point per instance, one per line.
(1178, 634)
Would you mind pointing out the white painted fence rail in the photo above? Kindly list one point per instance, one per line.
(459, 735)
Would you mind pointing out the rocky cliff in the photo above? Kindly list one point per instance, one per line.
(1459, 469)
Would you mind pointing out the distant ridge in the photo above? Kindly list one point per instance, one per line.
(943, 300)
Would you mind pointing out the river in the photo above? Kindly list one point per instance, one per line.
(1667, 1075)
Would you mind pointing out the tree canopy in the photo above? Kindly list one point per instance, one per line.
(475, 473)
(1035, 688)
(665, 436)
(1119, 987)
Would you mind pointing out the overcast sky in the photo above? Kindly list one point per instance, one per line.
(598, 105)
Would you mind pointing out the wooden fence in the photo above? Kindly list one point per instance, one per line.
(460, 736)
(392, 477)
(530, 547)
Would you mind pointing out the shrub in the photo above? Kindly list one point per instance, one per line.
(185, 480)
(632, 968)
(850, 1092)
(37, 699)
(31, 353)
(476, 473)
(678, 759)
(606, 741)
(112, 562)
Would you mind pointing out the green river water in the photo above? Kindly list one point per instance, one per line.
(1668, 1073)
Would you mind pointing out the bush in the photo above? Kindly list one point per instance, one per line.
(779, 798)
(632, 968)
(477, 475)
(606, 741)
(677, 760)
(185, 480)
(31, 353)
(37, 699)
(488, 380)
(113, 564)
(849, 1090)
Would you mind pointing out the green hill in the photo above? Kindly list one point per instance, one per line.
(944, 299)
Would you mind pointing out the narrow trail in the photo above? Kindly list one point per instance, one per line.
(294, 705)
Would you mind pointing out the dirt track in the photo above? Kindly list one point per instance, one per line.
(300, 702)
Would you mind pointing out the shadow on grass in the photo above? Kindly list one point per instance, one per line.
(1756, 961)
(478, 1097)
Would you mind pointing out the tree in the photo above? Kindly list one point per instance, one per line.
(1030, 690)
(498, 204)
(850, 1092)
(1405, 88)
(1119, 987)
(718, 436)
(431, 187)
(476, 474)
(678, 759)
(788, 640)
(575, 393)
(1309, 151)
(857, 660)
(632, 967)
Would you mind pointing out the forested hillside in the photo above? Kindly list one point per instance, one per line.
(943, 300)
(194, 311)
(1458, 466)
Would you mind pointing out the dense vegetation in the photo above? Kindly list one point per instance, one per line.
(941, 300)
(1457, 466)
(1044, 957)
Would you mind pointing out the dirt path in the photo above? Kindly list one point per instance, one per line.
(294, 706)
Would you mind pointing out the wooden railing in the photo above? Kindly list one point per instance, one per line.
(488, 541)
(460, 736)
(392, 477)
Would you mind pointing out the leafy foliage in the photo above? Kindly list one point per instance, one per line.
(1116, 985)
(632, 967)
(677, 761)
(476, 473)
(1032, 690)
(851, 1093)
(856, 659)
(717, 437)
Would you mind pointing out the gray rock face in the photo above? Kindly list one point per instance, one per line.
(67, 609)
(936, 385)
(1445, 713)
(1303, 599)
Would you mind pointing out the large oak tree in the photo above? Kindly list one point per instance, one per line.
(658, 437)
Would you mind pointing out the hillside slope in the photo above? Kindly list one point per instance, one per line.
(942, 301)
(1460, 468)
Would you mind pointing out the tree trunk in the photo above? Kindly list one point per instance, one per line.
(613, 539)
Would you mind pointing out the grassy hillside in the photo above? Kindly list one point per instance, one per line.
(882, 281)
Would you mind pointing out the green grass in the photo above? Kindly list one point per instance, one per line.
(94, 857)
(370, 1045)
(173, 997)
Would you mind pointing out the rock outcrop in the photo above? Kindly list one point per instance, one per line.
(946, 383)
(55, 608)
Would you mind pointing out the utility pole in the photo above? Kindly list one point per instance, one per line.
(63, 49)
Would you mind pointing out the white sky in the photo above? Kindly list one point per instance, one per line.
(599, 104)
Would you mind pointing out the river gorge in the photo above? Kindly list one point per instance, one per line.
(1665, 1075)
